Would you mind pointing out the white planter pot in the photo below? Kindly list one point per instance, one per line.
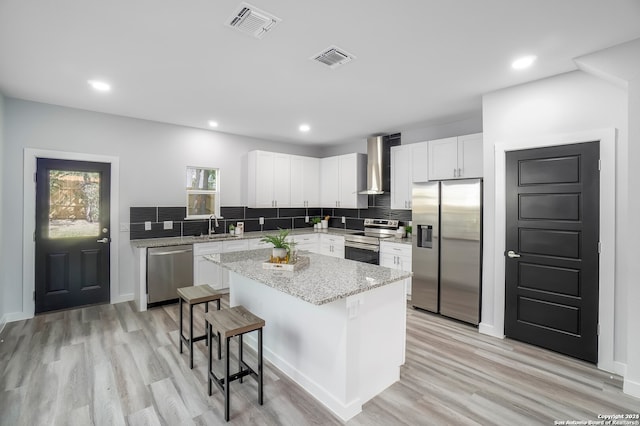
(325, 224)
(279, 252)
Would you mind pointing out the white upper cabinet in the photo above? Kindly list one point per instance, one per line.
(456, 158)
(408, 165)
(419, 162)
(401, 177)
(269, 183)
(305, 181)
(342, 177)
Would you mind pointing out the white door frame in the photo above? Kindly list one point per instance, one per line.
(29, 221)
(607, 138)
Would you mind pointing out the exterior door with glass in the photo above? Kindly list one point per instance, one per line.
(72, 234)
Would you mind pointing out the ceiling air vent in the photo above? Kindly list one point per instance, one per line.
(253, 21)
(333, 57)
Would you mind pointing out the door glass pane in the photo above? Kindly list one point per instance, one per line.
(74, 200)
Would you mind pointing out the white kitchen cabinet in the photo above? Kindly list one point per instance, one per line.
(305, 181)
(269, 179)
(204, 271)
(332, 245)
(419, 162)
(456, 158)
(307, 242)
(401, 177)
(397, 256)
(408, 165)
(342, 178)
(257, 243)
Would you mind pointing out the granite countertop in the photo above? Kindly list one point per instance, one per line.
(324, 280)
(407, 241)
(176, 241)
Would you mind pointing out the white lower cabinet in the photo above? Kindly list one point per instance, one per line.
(397, 256)
(307, 242)
(332, 245)
(207, 272)
(204, 271)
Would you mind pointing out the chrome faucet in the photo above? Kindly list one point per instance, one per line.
(212, 230)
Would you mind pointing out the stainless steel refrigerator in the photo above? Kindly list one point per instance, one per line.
(447, 248)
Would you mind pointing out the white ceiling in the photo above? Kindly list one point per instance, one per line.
(418, 62)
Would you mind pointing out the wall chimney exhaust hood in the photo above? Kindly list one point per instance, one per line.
(378, 164)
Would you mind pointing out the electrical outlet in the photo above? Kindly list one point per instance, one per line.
(168, 224)
(306, 219)
(147, 226)
(344, 219)
(261, 220)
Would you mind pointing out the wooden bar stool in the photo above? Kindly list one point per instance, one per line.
(227, 323)
(195, 295)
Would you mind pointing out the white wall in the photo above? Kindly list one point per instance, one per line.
(3, 265)
(414, 134)
(565, 104)
(632, 378)
(152, 158)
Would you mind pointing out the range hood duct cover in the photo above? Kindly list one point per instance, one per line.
(376, 158)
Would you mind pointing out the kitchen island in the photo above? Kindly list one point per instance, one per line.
(336, 327)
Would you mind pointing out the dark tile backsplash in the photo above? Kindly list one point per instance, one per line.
(273, 218)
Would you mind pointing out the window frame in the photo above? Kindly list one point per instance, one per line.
(215, 192)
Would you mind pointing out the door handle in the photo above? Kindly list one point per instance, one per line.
(512, 254)
(103, 240)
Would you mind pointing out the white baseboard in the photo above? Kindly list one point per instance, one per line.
(18, 316)
(490, 330)
(631, 388)
(122, 298)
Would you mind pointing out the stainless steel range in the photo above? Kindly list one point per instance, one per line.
(365, 246)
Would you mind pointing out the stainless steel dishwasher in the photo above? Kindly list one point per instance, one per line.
(168, 268)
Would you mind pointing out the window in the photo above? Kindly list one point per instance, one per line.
(203, 192)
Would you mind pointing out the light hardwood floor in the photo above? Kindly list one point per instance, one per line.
(110, 365)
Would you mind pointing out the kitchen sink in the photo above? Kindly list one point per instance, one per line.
(216, 237)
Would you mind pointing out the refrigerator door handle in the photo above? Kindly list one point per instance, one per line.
(512, 254)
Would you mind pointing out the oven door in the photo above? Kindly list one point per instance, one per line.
(367, 253)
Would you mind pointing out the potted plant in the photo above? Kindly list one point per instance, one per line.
(232, 229)
(280, 244)
(315, 221)
(408, 229)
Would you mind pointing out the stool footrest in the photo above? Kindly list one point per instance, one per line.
(185, 339)
(219, 381)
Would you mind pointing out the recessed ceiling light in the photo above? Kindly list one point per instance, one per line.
(100, 86)
(304, 128)
(213, 123)
(524, 62)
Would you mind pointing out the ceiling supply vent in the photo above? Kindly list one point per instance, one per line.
(333, 57)
(253, 21)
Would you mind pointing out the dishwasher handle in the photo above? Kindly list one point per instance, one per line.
(168, 252)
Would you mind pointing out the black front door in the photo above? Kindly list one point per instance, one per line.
(552, 217)
(72, 234)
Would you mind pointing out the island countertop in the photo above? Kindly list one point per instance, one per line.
(324, 280)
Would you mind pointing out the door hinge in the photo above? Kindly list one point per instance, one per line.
(34, 236)
(599, 247)
(35, 177)
(598, 330)
(599, 164)
(34, 295)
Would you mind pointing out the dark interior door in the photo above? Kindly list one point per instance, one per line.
(552, 197)
(72, 234)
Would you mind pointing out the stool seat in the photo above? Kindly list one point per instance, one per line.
(233, 321)
(226, 324)
(194, 295)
